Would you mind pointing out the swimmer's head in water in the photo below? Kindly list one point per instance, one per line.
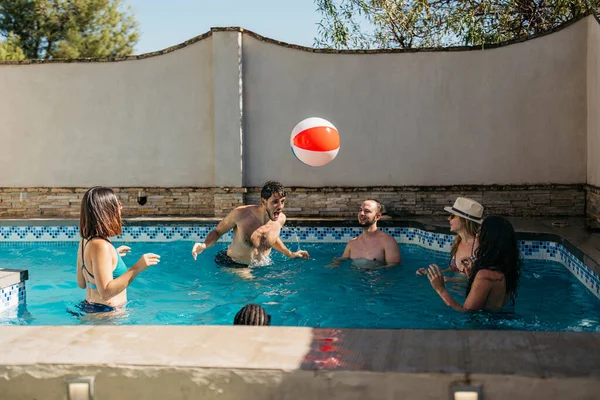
(252, 314)
(100, 214)
(272, 197)
(369, 212)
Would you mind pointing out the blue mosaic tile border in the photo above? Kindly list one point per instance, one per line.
(557, 252)
(433, 241)
(12, 296)
(130, 233)
(167, 233)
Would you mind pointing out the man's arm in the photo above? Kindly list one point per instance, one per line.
(226, 224)
(335, 263)
(392, 252)
(280, 247)
(345, 256)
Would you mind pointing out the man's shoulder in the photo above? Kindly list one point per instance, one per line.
(386, 237)
(243, 210)
(354, 240)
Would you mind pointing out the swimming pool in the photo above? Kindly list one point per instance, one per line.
(310, 293)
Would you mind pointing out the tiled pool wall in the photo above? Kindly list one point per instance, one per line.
(12, 296)
(530, 249)
(12, 288)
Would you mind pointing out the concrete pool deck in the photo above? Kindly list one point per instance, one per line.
(227, 362)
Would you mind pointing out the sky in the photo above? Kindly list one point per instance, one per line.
(164, 23)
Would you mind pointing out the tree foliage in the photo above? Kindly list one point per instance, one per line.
(68, 28)
(10, 49)
(420, 23)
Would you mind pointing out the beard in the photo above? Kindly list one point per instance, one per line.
(366, 222)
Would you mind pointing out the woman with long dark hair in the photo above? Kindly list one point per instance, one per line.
(495, 275)
(100, 268)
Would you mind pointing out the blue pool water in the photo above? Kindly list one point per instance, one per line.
(181, 291)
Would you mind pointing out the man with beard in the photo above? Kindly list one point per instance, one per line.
(256, 230)
(373, 244)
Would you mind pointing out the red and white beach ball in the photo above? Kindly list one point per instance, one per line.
(315, 141)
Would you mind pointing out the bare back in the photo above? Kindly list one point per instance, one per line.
(92, 295)
(497, 297)
(488, 291)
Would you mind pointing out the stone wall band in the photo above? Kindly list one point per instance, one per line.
(324, 202)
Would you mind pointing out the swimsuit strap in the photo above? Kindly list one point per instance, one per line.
(473, 251)
(83, 244)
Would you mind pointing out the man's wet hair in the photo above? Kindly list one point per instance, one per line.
(379, 207)
(252, 314)
(270, 188)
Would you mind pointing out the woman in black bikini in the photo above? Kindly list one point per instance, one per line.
(465, 219)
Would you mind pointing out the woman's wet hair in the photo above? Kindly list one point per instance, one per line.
(498, 251)
(252, 314)
(470, 227)
(99, 216)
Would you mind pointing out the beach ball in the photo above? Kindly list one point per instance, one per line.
(315, 141)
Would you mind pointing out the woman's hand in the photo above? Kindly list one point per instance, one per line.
(467, 265)
(421, 271)
(436, 278)
(147, 260)
(123, 250)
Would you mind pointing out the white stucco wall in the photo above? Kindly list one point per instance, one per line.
(593, 102)
(511, 115)
(142, 122)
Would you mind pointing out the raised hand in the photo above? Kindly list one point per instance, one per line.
(197, 249)
(148, 260)
(436, 278)
(467, 265)
(123, 250)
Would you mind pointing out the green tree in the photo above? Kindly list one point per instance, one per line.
(434, 23)
(69, 28)
(10, 49)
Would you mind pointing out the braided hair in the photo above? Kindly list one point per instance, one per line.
(498, 251)
(252, 314)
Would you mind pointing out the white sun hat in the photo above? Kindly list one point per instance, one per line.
(467, 208)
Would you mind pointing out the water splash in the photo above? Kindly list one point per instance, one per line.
(295, 236)
(263, 261)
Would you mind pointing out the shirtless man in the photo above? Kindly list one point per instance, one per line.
(255, 230)
(373, 244)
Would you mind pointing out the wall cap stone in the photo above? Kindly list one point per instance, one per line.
(298, 47)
